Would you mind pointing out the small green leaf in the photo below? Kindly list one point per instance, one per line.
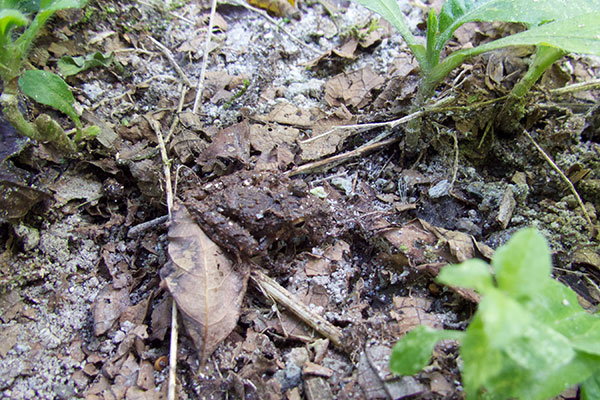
(72, 65)
(523, 264)
(50, 89)
(9, 19)
(503, 319)
(471, 274)
(55, 5)
(413, 352)
(87, 133)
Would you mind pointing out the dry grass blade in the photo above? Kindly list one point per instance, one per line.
(203, 282)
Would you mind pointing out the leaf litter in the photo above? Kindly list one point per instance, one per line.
(92, 296)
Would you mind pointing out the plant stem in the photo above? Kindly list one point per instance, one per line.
(45, 129)
(513, 110)
(544, 57)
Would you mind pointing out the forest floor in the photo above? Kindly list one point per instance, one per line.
(356, 240)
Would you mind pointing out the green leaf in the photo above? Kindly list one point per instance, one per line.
(523, 264)
(413, 352)
(455, 13)
(87, 133)
(47, 9)
(503, 319)
(55, 5)
(526, 340)
(50, 89)
(430, 39)
(553, 302)
(576, 35)
(471, 274)
(9, 19)
(14, 4)
(72, 65)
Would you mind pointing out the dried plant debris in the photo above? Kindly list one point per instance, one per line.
(207, 288)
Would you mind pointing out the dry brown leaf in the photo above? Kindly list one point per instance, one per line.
(411, 312)
(460, 244)
(506, 208)
(108, 307)
(207, 289)
(231, 143)
(265, 138)
(343, 53)
(289, 114)
(323, 145)
(353, 89)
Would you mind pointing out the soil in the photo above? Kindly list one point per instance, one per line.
(357, 241)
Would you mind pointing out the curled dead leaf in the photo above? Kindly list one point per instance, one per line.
(201, 278)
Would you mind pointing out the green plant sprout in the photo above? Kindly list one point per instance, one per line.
(529, 339)
(556, 27)
(43, 86)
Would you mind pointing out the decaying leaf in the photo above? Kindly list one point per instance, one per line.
(289, 114)
(352, 89)
(108, 307)
(343, 53)
(207, 289)
(231, 143)
(376, 380)
(411, 312)
(264, 138)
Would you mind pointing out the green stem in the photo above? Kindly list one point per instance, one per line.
(544, 57)
(433, 56)
(44, 129)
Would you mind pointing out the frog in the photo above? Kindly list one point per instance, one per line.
(249, 213)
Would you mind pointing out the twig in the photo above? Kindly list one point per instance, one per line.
(288, 300)
(175, 121)
(171, 59)
(169, 194)
(200, 86)
(136, 230)
(390, 124)
(455, 166)
(341, 157)
(577, 87)
(563, 177)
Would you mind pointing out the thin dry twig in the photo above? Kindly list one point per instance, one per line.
(388, 124)
(136, 230)
(175, 121)
(339, 158)
(169, 194)
(455, 166)
(563, 177)
(577, 87)
(288, 300)
(200, 85)
(171, 59)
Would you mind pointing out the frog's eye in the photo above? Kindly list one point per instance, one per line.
(298, 223)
